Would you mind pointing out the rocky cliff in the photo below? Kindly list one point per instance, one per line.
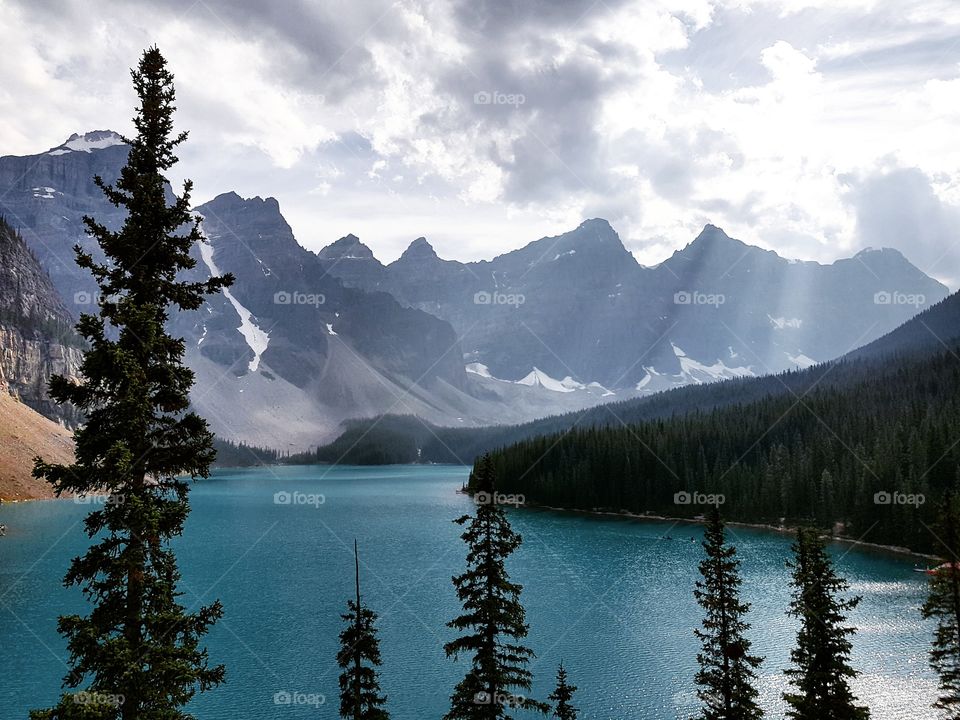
(36, 330)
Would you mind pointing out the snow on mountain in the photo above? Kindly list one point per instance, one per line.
(479, 369)
(692, 372)
(801, 360)
(538, 378)
(88, 142)
(256, 338)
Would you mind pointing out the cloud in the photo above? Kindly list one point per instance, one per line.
(486, 123)
(899, 208)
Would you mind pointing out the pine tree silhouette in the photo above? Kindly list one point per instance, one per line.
(821, 670)
(727, 670)
(493, 622)
(359, 656)
(139, 648)
(943, 603)
(562, 696)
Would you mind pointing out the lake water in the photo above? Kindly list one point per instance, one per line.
(607, 596)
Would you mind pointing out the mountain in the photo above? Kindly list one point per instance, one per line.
(36, 330)
(406, 439)
(290, 351)
(45, 196)
(25, 434)
(579, 305)
(305, 341)
(935, 328)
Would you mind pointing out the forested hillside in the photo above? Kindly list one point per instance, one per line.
(872, 453)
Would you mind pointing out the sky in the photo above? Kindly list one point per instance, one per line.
(815, 128)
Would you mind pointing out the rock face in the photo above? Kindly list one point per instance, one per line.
(46, 196)
(36, 334)
(579, 304)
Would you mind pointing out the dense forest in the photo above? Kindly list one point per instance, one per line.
(869, 456)
(231, 454)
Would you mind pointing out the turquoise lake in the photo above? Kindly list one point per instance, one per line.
(608, 596)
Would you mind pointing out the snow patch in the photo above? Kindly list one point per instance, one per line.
(330, 329)
(257, 339)
(538, 378)
(801, 360)
(560, 255)
(88, 142)
(479, 369)
(692, 372)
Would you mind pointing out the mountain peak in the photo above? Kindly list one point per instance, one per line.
(348, 247)
(88, 142)
(712, 234)
(892, 253)
(420, 250)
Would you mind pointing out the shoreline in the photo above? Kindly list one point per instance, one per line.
(779, 529)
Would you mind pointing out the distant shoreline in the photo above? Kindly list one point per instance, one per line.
(779, 529)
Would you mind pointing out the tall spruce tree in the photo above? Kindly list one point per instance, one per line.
(821, 670)
(562, 697)
(943, 603)
(493, 623)
(359, 656)
(139, 648)
(727, 670)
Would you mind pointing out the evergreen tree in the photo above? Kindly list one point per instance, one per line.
(493, 621)
(727, 670)
(943, 603)
(139, 646)
(359, 656)
(562, 696)
(821, 671)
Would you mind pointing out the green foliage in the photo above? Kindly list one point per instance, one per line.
(820, 671)
(943, 604)
(562, 697)
(138, 643)
(231, 454)
(727, 670)
(493, 623)
(359, 656)
(817, 458)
